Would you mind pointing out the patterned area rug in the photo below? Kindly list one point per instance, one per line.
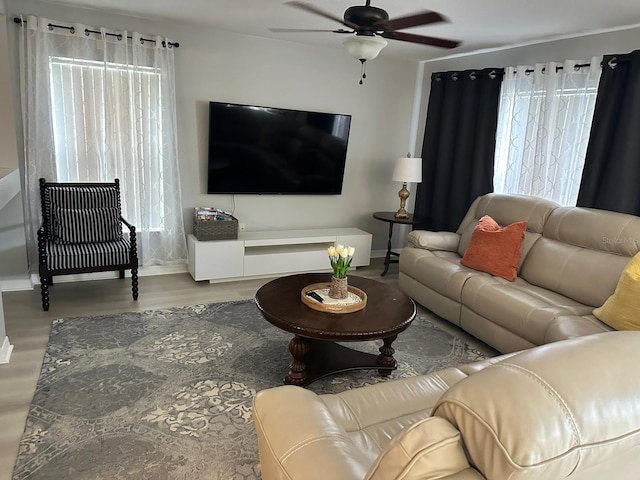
(166, 394)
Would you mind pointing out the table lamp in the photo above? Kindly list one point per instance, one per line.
(407, 169)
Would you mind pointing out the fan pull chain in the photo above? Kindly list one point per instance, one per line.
(363, 73)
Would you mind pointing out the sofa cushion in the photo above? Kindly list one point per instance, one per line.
(364, 412)
(580, 246)
(553, 412)
(571, 326)
(622, 309)
(494, 249)
(427, 450)
(524, 309)
(612, 232)
(506, 209)
(572, 270)
(438, 270)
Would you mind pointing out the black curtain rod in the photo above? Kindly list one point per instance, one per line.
(87, 31)
(560, 67)
(612, 63)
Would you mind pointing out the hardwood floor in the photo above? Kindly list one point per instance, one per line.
(28, 329)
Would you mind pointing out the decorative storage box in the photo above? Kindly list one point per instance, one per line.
(212, 224)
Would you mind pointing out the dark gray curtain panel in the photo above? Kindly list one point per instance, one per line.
(611, 174)
(459, 144)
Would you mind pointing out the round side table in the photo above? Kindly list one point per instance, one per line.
(391, 219)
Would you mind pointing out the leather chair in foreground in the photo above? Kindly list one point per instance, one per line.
(566, 410)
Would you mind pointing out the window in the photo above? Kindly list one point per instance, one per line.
(98, 105)
(97, 120)
(543, 129)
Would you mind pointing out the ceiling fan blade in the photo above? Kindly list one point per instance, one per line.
(415, 19)
(410, 37)
(293, 30)
(312, 9)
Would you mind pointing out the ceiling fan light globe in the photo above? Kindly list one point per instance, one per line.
(364, 47)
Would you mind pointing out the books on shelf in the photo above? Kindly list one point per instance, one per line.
(206, 214)
(210, 223)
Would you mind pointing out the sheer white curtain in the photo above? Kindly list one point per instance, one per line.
(97, 107)
(544, 121)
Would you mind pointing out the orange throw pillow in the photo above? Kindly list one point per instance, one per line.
(494, 249)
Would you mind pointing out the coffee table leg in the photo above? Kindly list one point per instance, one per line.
(385, 359)
(299, 348)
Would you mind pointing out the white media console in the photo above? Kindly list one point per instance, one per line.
(264, 254)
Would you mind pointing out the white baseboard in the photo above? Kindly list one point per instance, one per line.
(16, 285)
(142, 272)
(5, 351)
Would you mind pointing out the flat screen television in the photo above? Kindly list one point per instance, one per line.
(267, 150)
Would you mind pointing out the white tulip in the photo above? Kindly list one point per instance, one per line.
(340, 258)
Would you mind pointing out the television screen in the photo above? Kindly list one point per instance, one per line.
(266, 150)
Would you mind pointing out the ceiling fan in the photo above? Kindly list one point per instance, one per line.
(367, 24)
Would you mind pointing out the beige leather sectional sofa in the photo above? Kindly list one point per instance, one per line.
(571, 262)
(567, 410)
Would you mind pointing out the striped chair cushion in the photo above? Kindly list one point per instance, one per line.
(91, 225)
(66, 256)
(78, 197)
(84, 197)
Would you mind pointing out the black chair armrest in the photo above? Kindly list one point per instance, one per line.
(132, 239)
(131, 228)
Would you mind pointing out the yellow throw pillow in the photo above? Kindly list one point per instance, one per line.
(622, 309)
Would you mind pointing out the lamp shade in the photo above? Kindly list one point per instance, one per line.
(408, 169)
(364, 47)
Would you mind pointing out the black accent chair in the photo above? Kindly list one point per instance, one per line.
(81, 232)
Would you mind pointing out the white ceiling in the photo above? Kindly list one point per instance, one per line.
(488, 24)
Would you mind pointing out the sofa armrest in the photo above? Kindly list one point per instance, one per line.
(430, 449)
(296, 431)
(447, 241)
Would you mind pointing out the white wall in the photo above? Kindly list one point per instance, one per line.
(12, 243)
(284, 74)
(13, 256)
(217, 65)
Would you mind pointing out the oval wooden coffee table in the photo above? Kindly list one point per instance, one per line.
(313, 347)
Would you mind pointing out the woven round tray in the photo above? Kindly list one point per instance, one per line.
(332, 307)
